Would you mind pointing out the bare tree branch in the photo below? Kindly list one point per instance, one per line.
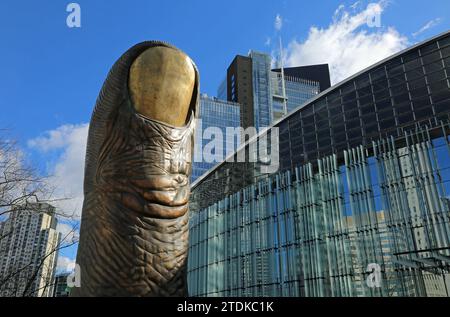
(23, 189)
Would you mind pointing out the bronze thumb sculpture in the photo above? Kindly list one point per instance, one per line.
(134, 227)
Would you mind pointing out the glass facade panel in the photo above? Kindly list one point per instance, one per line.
(214, 113)
(315, 231)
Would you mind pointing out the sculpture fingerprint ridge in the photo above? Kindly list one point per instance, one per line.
(126, 250)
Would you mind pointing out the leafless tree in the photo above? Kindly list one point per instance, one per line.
(23, 189)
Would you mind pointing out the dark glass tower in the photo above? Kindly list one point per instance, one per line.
(240, 87)
(252, 83)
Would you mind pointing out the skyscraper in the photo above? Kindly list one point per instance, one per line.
(318, 73)
(259, 90)
(262, 89)
(60, 288)
(297, 92)
(28, 251)
(362, 188)
(240, 88)
(215, 117)
(222, 90)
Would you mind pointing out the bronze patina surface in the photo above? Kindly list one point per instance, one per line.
(171, 83)
(134, 227)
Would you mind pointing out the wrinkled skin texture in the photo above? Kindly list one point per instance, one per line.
(134, 228)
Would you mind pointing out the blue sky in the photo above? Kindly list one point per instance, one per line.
(51, 74)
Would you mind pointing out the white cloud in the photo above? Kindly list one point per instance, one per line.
(427, 26)
(65, 264)
(67, 172)
(268, 41)
(278, 24)
(347, 44)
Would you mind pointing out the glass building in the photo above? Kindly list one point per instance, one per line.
(214, 114)
(222, 90)
(359, 205)
(270, 101)
(61, 289)
(262, 89)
